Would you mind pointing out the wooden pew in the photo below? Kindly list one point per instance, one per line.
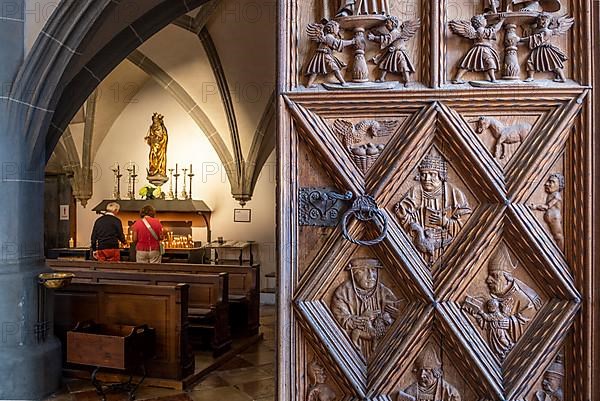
(208, 301)
(162, 307)
(244, 284)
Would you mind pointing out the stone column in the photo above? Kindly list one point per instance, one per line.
(29, 368)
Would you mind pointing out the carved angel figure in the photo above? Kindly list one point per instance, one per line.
(483, 56)
(393, 57)
(324, 62)
(544, 56)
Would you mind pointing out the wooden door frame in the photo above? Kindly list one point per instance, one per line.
(589, 317)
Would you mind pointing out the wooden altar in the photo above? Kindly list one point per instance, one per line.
(195, 211)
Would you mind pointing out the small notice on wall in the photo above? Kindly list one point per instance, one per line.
(64, 212)
(242, 215)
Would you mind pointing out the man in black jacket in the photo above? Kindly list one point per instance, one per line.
(106, 235)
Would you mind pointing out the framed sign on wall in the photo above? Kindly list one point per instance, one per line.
(242, 215)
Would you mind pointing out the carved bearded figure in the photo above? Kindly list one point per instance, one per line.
(430, 384)
(517, 301)
(434, 211)
(363, 306)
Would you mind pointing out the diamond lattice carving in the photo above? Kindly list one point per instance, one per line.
(433, 294)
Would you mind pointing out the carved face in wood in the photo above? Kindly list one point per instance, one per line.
(430, 180)
(427, 377)
(498, 282)
(554, 184)
(543, 21)
(552, 382)
(365, 277)
(319, 375)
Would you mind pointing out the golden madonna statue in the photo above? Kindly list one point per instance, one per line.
(157, 139)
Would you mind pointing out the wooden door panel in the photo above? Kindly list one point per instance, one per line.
(435, 238)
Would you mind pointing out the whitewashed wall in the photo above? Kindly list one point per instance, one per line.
(187, 144)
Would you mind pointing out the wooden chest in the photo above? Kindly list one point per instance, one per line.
(110, 346)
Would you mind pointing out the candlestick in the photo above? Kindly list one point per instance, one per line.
(170, 195)
(117, 188)
(190, 189)
(133, 177)
(191, 175)
(129, 190)
(184, 194)
(176, 175)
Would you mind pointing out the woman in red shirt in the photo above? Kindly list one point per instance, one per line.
(146, 234)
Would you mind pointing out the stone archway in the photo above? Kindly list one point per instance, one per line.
(81, 43)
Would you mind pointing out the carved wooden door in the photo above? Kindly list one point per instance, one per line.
(435, 212)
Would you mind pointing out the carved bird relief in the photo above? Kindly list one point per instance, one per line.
(355, 139)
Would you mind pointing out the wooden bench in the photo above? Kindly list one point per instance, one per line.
(162, 307)
(208, 301)
(244, 284)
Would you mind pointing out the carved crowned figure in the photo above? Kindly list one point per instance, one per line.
(157, 138)
(363, 306)
(434, 211)
(430, 384)
(517, 301)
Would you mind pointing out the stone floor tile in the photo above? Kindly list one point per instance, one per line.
(76, 385)
(239, 376)
(259, 388)
(235, 363)
(211, 381)
(218, 394)
(149, 393)
(269, 368)
(259, 358)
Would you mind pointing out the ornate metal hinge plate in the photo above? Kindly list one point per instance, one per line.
(321, 207)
